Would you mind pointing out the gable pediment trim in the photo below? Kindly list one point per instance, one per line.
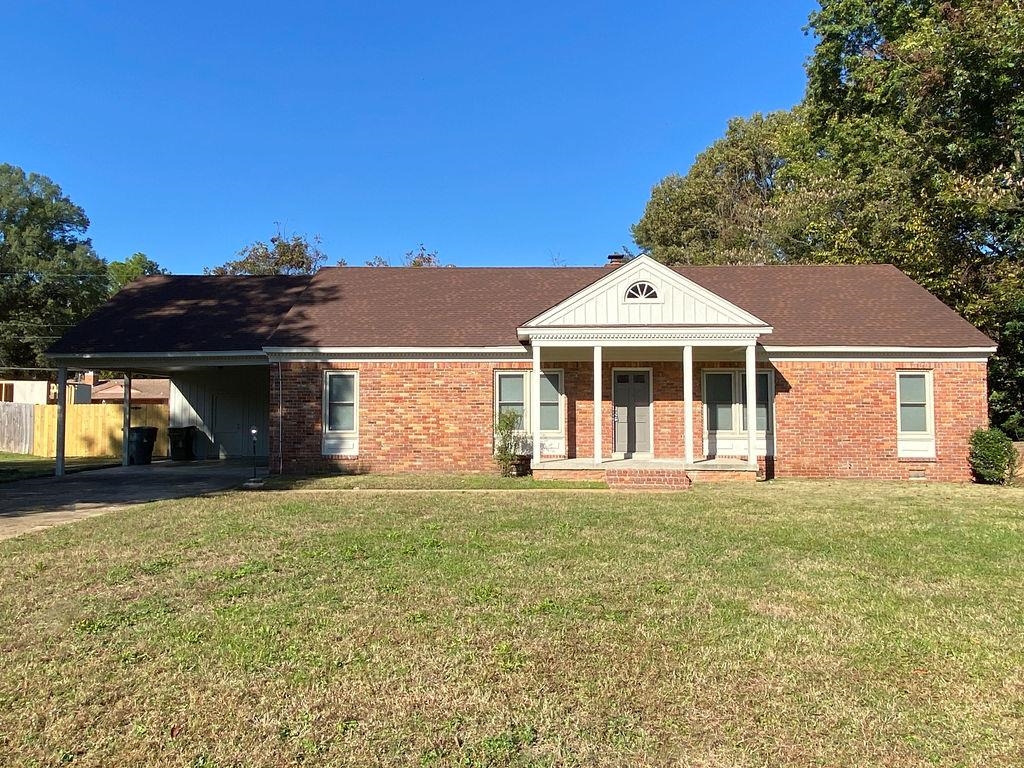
(680, 301)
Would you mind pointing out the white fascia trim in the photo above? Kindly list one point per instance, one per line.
(887, 350)
(640, 336)
(875, 354)
(392, 350)
(155, 355)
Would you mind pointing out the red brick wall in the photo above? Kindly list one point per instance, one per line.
(831, 419)
(668, 407)
(839, 419)
(413, 416)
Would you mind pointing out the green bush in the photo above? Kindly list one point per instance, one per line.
(506, 443)
(993, 456)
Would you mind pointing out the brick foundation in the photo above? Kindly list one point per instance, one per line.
(571, 475)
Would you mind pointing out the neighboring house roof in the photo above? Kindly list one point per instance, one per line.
(854, 305)
(141, 389)
(186, 313)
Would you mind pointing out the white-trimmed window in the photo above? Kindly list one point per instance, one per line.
(725, 402)
(551, 401)
(512, 393)
(915, 416)
(341, 413)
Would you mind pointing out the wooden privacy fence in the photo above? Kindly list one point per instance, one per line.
(16, 427)
(91, 430)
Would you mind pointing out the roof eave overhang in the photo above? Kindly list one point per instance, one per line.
(159, 361)
(643, 336)
(877, 352)
(315, 353)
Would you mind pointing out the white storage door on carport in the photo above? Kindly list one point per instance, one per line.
(224, 404)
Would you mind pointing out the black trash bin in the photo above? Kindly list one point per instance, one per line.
(140, 445)
(182, 440)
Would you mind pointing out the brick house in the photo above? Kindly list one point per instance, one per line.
(643, 369)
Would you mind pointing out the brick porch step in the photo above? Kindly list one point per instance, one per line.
(648, 475)
(648, 479)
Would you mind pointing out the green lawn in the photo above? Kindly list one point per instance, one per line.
(787, 623)
(19, 466)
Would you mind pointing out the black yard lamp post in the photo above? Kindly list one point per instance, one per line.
(253, 431)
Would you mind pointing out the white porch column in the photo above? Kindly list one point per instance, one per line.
(688, 403)
(62, 419)
(751, 405)
(535, 403)
(126, 417)
(597, 404)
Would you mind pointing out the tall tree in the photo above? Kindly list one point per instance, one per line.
(921, 105)
(283, 255)
(721, 211)
(50, 277)
(135, 266)
(907, 149)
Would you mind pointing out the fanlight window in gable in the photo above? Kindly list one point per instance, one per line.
(641, 291)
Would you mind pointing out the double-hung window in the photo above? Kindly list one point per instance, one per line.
(915, 429)
(550, 401)
(725, 401)
(512, 394)
(725, 412)
(341, 413)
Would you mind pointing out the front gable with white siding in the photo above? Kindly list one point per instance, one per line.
(644, 292)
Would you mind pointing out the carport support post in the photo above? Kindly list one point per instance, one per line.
(126, 418)
(62, 418)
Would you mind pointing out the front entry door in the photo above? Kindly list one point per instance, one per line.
(632, 412)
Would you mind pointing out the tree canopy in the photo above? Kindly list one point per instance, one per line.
(135, 266)
(50, 277)
(906, 149)
(283, 255)
(420, 257)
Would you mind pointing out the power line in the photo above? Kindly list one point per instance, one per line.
(54, 274)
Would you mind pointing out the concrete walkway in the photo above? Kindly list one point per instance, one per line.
(41, 502)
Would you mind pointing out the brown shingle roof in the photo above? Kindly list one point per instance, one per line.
(417, 307)
(851, 305)
(186, 313)
(863, 305)
(840, 305)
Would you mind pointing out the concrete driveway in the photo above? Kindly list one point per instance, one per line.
(41, 502)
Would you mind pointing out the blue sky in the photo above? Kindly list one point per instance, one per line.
(504, 134)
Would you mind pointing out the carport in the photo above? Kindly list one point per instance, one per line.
(224, 396)
(207, 335)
